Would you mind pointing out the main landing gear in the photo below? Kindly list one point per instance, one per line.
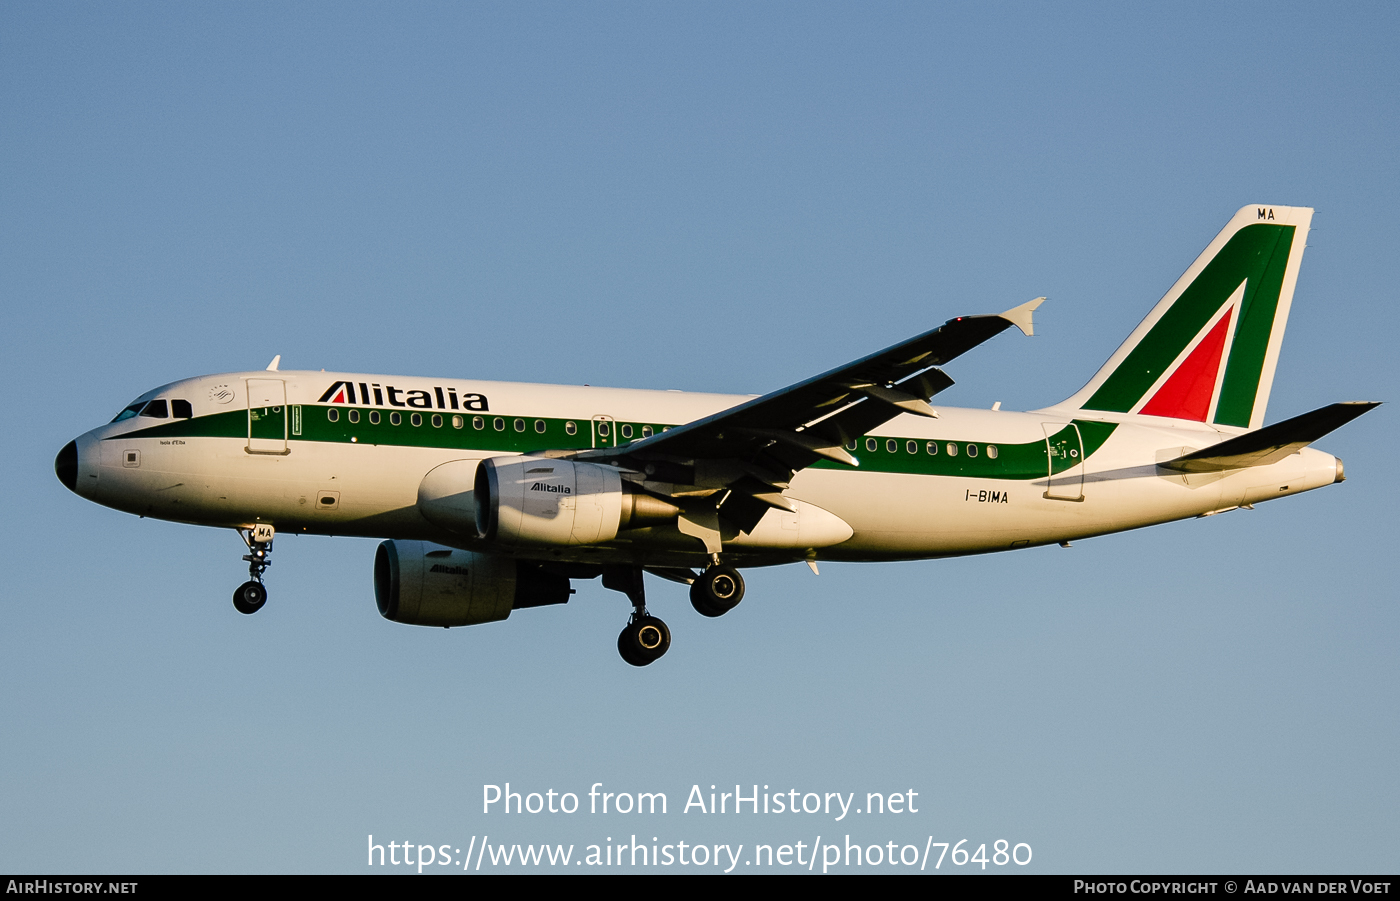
(717, 590)
(251, 595)
(645, 638)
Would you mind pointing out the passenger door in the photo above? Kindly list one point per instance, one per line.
(1064, 454)
(267, 416)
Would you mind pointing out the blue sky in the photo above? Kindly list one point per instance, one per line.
(725, 197)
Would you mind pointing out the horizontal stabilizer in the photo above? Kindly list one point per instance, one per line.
(1271, 443)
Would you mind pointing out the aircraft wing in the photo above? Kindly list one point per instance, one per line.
(736, 463)
(1271, 443)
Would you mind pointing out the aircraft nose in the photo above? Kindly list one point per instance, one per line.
(65, 465)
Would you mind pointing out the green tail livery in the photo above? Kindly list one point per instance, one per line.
(1207, 351)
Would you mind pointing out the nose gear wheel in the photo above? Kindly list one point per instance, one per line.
(252, 594)
(249, 597)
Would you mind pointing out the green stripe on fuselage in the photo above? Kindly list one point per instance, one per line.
(1013, 461)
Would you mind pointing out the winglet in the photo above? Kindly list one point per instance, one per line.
(272, 367)
(1021, 316)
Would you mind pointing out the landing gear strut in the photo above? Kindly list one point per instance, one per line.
(645, 638)
(251, 595)
(718, 590)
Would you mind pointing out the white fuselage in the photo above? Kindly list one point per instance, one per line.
(250, 455)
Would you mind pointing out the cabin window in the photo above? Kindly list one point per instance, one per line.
(853, 445)
(539, 426)
(603, 429)
(156, 409)
(912, 447)
(458, 421)
(571, 428)
(647, 431)
(520, 425)
(395, 419)
(127, 413)
(626, 430)
(333, 414)
(932, 448)
(972, 450)
(952, 449)
(992, 451)
(437, 421)
(416, 419)
(478, 422)
(374, 417)
(353, 416)
(892, 446)
(498, 424)
(181, 409)
(872, 445)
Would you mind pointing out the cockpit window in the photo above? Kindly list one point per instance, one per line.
(181, 409)
(128, 412)
(156, 409)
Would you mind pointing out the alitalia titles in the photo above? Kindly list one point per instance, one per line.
(546, 486)
(374, 394)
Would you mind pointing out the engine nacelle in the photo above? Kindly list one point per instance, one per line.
(558, 503)
(425, 584)
(446, 497)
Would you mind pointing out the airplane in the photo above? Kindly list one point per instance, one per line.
(493, 496)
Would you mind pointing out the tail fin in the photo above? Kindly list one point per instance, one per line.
(1207, 351)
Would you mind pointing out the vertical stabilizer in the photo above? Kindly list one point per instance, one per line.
(1208, 349)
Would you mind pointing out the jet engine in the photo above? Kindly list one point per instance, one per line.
(445, 497)
(546, 502)
(425, 584)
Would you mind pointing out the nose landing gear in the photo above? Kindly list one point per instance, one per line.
(252, 595)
